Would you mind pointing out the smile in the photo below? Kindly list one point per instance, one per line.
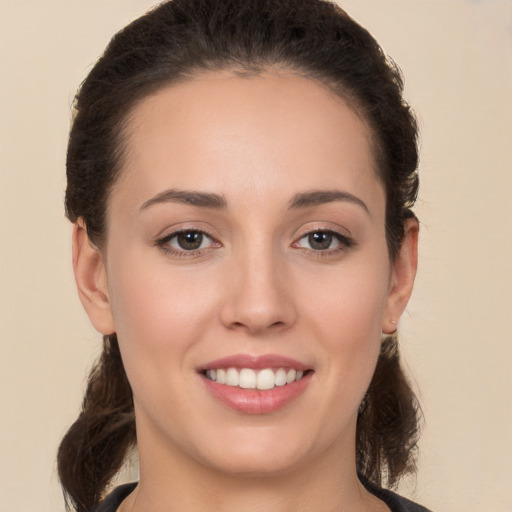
(247, 378)
(256, 384)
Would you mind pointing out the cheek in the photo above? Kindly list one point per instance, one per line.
(348, 302)
(156, 308)
(346, 317)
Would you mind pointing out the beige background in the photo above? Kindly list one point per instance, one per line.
(457, 59)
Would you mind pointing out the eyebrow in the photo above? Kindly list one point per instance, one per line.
(194, 198)
(317, 197)
(216, 201)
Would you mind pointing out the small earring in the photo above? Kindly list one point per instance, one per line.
(394, 332)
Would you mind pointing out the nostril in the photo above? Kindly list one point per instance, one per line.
(255, 312)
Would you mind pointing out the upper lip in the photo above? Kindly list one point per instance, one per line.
(256, 362)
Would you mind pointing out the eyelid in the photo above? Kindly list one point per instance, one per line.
(343, 240)
(175, 234)
(326, 226)
(180, 227)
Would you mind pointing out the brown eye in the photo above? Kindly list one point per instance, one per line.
(320, 240)
(189, 240)
(324, 241)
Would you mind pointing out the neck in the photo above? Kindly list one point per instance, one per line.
(327, 484)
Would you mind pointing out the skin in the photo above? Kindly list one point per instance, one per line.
(254, 287)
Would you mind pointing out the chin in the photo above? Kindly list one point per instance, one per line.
(266, 451)
(260, 464)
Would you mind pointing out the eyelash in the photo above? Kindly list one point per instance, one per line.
(344, 241)
(163, 243)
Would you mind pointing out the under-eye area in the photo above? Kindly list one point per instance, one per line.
(262, 379)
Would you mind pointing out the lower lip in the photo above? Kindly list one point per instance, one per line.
(255, 401)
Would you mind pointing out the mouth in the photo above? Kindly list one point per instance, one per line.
(249, 378)
(256, 384)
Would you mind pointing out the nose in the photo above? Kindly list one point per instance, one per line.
(257, 296)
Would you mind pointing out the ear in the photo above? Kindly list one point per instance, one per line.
(91, 280)
(403, 272)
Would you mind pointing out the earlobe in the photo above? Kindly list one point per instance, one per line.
(91, 280)
(402, 278)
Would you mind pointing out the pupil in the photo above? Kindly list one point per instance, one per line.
(320, 241)
(190, 240)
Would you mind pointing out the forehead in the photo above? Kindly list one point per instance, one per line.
(265, 134)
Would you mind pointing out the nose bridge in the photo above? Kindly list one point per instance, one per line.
(256, 296)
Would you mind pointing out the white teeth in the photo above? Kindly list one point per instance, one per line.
(280, 377)
(232, 377)
(221, 376)
(266, 379)
(247, 378)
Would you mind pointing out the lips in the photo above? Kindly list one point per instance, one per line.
(256, 384)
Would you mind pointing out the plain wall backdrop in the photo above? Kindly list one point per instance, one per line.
(456, 56)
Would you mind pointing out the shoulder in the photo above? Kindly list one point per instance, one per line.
(114, 499)
(395, 502)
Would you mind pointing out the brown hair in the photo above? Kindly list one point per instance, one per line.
(173, 42)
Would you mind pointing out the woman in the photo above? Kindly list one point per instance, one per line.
(240, 178)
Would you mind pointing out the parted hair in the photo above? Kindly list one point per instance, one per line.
(174, 42)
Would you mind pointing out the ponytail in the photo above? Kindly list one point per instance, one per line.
(388, 421)
(95, 447)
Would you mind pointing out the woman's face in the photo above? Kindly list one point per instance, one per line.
(246, 240)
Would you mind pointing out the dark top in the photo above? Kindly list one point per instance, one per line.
(393, 501)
